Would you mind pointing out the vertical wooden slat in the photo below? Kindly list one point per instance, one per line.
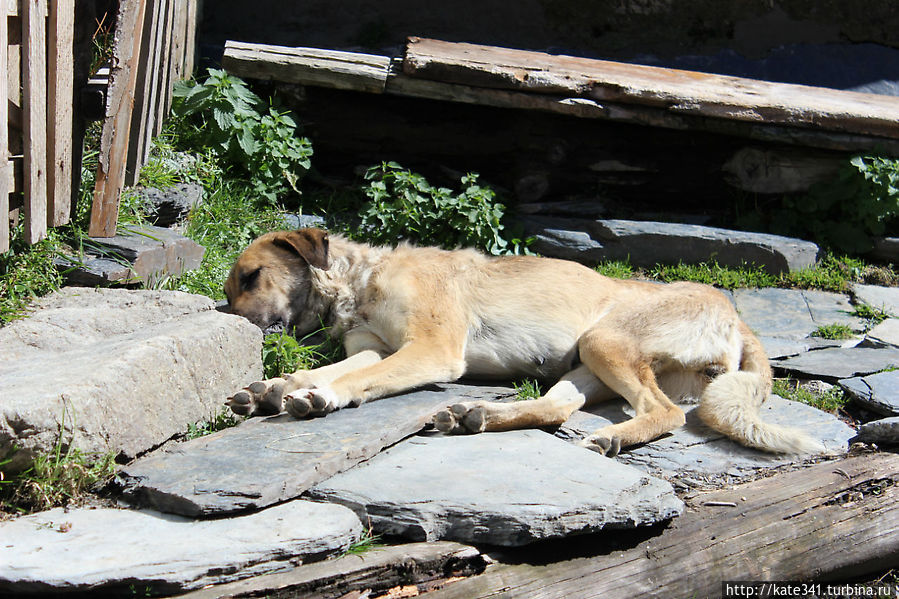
(165, 85)
(190, 41)
(179, 37)
(34, 89)
(117, 126)
(5, 170)
(60, 101)
(141, 125)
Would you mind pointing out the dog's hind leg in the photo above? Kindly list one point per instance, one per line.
(552, 409)
(616, 360)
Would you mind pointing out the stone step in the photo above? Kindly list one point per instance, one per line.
(268, 460)
(145, 254)
(130, 552)
(794, 314)
(877, 392)
(118, 370)
(836, 363)
(509, 489)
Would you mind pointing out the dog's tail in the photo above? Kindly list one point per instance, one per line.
(730, 405)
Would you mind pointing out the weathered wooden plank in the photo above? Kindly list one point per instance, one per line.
(143, 115)
(308, 66)
(165, 75)
(5, 166)
(179, 32)
(378, 569)
(34, 91)
(832, 520)
(190, 41)
(60, 101)
(12, 8)
(117, 126)
(677, 91)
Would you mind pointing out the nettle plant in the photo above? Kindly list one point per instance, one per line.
(251, 135)
(404, 206)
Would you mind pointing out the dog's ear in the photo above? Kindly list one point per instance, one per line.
(310, 244)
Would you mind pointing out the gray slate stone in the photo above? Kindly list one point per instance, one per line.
(840, 363)
(268, 460)
(122, 551)
(300, 221)
(166, 207)
(877, 392)
(647, 243)
(886, 249)
(880, 431)
(153, 252)
(793, 314)
(882, 298)
(696, 452)
(509, 488)
(127, 370)
(886, 333)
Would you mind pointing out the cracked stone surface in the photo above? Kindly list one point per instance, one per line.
(130, 551)
(882, 298)
(697, 452)
(508, 488)
(793, 314)
(840, 363)
(880, 431)
(877, 392)
(268, 460)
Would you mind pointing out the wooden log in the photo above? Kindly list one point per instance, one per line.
(34, 92)
(677, 91)
(307, 66)
(5, 166)
(377, 569)
(60, 101)
(828, 522)
(117, 126)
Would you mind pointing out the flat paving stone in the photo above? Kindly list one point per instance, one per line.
(130, 552)
(268, 460)
(877, 392)
(880, 431)
(840, 363)
(509, 488)
(882, 298)
(793, 314)
(695, 452)
(886, 333)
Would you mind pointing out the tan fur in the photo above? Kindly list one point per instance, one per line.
(411, 316)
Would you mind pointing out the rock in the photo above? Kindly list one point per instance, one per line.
(877, 392)
(509, 488)
(840, 363)
(268, 460)
(129, 552)
(886, 249)
(789, 314)
(695, 452)
(647, 243)
(881, 298)
(300, 221)
(120, 370)
(884, 334)
(779, 347)
(165, 207)
(91, 271)
(879, 431)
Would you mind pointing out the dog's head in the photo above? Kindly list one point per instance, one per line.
(269, 283)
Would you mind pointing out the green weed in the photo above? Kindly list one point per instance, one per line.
(833, 331)
(616, 269)
(712, 273)
(874, 316)
(527, 389)
(282, 353)
(224, 419)
(366, 542)
(832, 400)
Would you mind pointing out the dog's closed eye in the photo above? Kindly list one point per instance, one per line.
(248, 279)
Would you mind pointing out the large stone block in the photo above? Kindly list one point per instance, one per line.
(118, 370)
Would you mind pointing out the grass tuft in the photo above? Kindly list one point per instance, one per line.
(833, 400)
(834, 331)
(527, 389)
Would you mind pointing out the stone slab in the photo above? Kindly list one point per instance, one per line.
(647, 243)
(91, 271)
(840, 363)
(165, 207)
(793, 314)
(268, 460)
(509, 488)
(882, 298)
(886, 249)
(877, 392)
(880, 431)
(128, 552)
(120, 370)
(886, 333)
(695, 452)
(153, 252)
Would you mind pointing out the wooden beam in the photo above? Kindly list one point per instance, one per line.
(677, 91)
(829, 522)
(60, 103)
(34, 92)
(165, 75)
(5, 167)
(307, 66)
(190, 42)
(117, 126)
(143, 114)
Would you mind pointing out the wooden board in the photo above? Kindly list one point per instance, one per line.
(34, 92)
(832, 521)
(143, 115)
(308, 66)
(60, 103)
(677, 91)
(117, 126)
(5, 168)
(190, 42)
(165, 74)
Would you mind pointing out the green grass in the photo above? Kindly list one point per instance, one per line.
(616, 269)
(282, 353)
(222, 420)
(874, 316)
(834, 331)
(366, 542)
(832, 400)
(526, 389)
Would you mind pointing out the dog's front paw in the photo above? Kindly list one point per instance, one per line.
(262, 398)
(461, 418)
(606, 445)
(303, 403)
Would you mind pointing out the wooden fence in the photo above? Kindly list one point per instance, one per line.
(153, 47)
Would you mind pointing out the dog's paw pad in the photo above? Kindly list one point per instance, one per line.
(241, 403)
(311, 402)
(475, 420)
(261, 398)
(607, 446)
(298, 403)
(461, 418)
